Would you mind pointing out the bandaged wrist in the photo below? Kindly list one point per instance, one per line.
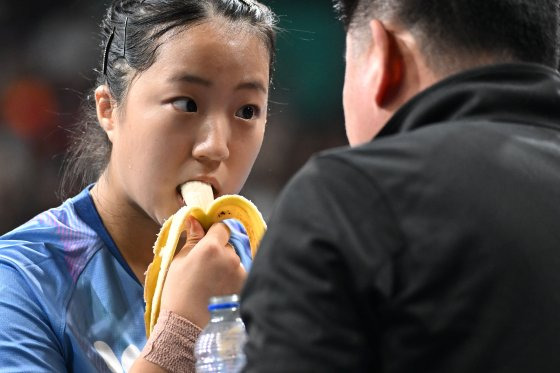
(171, 343)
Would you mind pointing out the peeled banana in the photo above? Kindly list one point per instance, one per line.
(200, 203)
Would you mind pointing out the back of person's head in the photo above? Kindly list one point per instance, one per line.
(131, 33)
(458, 34)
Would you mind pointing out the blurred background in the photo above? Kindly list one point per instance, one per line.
(48, 52)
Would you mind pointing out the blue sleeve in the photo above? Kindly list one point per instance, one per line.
(27, 341)
(240, 242)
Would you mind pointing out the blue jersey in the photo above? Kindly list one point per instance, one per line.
(68, 299)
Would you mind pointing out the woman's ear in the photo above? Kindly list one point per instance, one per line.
(106, 112)
(388, 61)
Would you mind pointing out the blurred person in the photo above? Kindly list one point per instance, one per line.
(432, 243)
(181, 95)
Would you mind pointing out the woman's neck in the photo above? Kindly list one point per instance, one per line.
(132, 231)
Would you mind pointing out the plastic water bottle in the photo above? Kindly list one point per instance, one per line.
(219, 348)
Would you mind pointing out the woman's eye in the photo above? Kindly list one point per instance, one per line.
(248, 112)
(186, 104)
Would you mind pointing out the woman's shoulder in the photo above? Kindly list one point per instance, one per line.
(52, 241)
(55, 227)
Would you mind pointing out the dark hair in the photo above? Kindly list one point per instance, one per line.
(455, 34)
(130, 38)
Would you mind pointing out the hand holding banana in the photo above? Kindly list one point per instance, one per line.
(201, 205)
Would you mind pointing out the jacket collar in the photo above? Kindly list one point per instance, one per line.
(517, 93)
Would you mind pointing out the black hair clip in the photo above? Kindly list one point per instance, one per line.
(106, 53)
(108, 47)
(124, 39)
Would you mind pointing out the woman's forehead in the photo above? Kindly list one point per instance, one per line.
(212, 56)
(214, 42)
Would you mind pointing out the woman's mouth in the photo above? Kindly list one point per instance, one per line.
(180, 196)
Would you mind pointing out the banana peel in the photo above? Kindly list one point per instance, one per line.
(200, 204)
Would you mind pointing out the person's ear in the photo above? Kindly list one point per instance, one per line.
(105, 107)
(389, 63)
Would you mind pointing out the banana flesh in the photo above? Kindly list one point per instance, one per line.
(200, 203)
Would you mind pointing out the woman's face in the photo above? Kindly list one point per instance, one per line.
(198, 113)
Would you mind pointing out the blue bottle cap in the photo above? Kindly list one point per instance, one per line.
(223, 302)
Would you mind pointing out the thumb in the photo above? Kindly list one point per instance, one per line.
(195, 232)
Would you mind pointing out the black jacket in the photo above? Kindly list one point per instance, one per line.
(434, 248)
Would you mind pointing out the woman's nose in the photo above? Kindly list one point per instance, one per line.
(212, 142)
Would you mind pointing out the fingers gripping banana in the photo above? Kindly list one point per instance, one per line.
(200, 203)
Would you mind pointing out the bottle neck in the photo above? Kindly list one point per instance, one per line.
(225, 314)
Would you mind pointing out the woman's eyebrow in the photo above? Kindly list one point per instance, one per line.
(252, 85)
(190, 78)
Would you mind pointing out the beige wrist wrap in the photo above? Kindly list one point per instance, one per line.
(171, 344)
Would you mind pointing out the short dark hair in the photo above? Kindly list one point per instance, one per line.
(130, 38)
(455, 34)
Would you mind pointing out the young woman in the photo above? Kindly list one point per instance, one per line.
(181, 95)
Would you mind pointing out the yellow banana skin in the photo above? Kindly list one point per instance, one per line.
(222, 208)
